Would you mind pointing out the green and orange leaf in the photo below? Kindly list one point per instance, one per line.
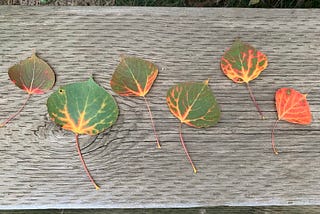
(292, 106)
(243, 63)
(194, 104)
(83, 108)
(133, 77)
(32, 75)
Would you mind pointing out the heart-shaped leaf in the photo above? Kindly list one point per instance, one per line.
(243, 63)
(293, 107)
(134, 77)
(194, 104)
(83, 108)
(32, 75)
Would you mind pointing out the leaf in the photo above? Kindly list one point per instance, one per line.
(32, 75)
(253, 2)
(243, 63)
(134, 77)
(292, 106)
(83, 108)
(194, 104)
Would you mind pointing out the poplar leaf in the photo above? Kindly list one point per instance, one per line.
(243, 63)
(292, 106)
(32, 75)
(83, 108)
(134, 77)
(194, 104)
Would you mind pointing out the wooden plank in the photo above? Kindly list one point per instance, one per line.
(199, 210)
(40, 167)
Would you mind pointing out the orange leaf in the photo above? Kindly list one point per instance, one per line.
(243, 63)
(293, 107)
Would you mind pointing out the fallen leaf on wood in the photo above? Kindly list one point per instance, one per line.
(32, 75)
(194, 104)
(242, 63)
(83, 108)
(134, 77)
(292, 106)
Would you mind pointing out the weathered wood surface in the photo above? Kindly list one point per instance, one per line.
(198, 210)
(39, 164)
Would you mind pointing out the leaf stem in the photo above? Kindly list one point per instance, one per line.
(15, 114)
(272, 137)
(185, 149)
(254, 101)
(84, 164)
(152, 123)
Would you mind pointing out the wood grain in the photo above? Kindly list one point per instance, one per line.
(39, 164)
(198, 210)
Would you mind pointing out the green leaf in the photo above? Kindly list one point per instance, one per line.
(83, 108)
(253, 2)
(194, 104)
(32, 75)
(243, 63)
(134, 77)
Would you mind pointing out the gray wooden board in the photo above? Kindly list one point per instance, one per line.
(198, 210)
(39, 164)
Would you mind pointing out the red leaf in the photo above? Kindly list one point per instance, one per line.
(293, 107)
